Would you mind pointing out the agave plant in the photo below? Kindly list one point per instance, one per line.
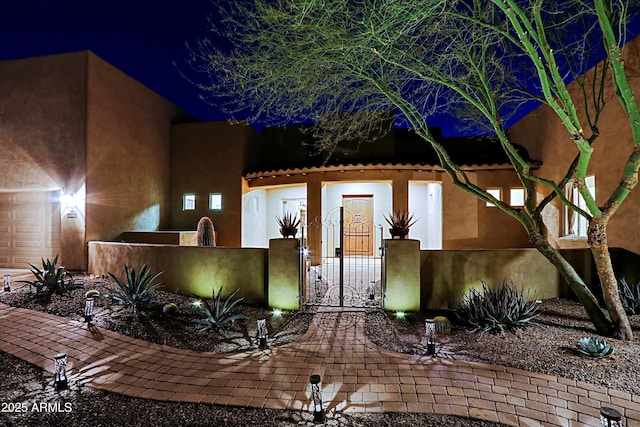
(400, 222)
(217, 315)
(288, 223)
(51, 279)
(137, 288)
(497, 310)
(594, 347)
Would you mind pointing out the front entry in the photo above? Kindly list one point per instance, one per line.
(358, 221)
(347, 272)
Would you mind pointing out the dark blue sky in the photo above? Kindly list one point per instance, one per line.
(140, 37)
(143, 38)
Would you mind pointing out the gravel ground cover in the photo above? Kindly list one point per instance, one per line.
(548, 347)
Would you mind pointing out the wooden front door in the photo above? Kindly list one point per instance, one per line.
(358, 224)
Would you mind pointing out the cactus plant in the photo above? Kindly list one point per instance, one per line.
(594, 347)
(288, 224)
(400, 222)
(206, 232)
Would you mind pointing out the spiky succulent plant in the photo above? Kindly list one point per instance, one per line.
(594, 347)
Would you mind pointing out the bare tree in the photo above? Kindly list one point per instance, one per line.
(300, 60)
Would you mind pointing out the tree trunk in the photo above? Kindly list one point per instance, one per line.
(599, 245)
(584, 295)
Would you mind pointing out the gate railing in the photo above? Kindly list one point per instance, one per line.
(342, 268)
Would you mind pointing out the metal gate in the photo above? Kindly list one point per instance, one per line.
(342, 265)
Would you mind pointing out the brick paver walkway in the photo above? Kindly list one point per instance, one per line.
(357, 375)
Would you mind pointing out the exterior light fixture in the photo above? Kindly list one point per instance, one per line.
(88, 310)
(400, 315)
(262, 334)
(60, 371)
(6, 282)
(305, 251)
(276, 312)
(316, 395)
(430, 329)
(372, 290)
(609, 417)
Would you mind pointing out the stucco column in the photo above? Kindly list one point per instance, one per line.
(402, 275)
(400, 184)
(284, 274)
(314, 213)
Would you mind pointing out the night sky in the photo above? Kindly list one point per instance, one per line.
(140, 37)
(143, 38)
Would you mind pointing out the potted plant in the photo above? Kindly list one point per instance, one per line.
(288, 224)
(400, 222)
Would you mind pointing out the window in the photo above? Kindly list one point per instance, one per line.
(495, 192)
(575, 225)
(188, 202)
(215, 201)
(516, 196)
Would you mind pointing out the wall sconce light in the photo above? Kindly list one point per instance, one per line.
(60, 371)
(609, 417)
(6, 283)
(430, 329)
(305, 251)
(88, 310)
(262, 334)
(316, 395)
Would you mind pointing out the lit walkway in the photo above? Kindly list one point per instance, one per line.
(357, 375)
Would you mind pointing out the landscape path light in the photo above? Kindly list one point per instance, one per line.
(430, 329)
(60, 371)
(88, 310)
(316, 395)
(609, 417)
(6, 282)
(262, 334)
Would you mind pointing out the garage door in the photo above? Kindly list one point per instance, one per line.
(29, 228)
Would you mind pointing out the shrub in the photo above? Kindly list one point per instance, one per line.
(217, 315)
(137, 288)
(593, 347)
(205, 232)
(629, 296)
(503, 309)
(51, 279)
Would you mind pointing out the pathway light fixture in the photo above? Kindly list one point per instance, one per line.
(88, 310)
(262, 334)
(60, 371)
(6, 281)
(316, 394)
(430, 329)
(609, 417)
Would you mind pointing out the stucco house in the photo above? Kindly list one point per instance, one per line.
(88, 153)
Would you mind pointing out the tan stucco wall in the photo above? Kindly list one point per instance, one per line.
(128, 134)
(42, 137)
(542, 133)
(447, 275)
(188, 270)
(402, 275)
(209, 158)
(467, 223)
